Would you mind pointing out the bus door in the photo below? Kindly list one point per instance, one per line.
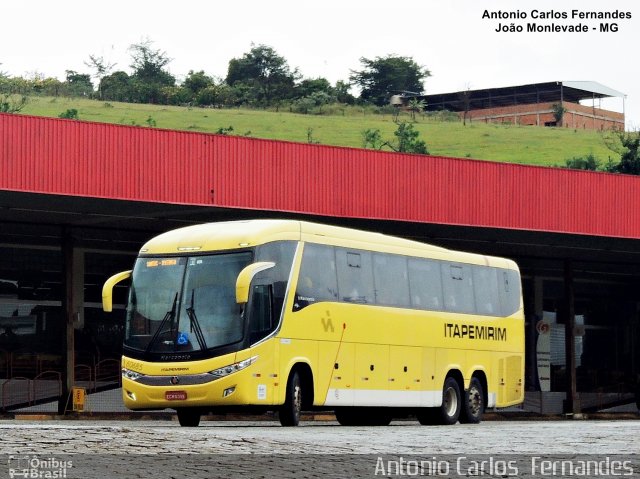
(262, 320)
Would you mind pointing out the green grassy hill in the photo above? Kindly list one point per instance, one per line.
(344, 127)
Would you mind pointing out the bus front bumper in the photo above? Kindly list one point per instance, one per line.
(180, 391)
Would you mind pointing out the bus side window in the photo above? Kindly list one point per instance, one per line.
(281, 253)
(457, 286)
(391, 279)
(317, 279)
(509, 291)
(425, 284)
(485, 285)
(355, 276)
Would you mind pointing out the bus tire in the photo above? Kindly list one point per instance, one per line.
(451, 402)
(188, 416)
(428, 416)
(381, 418)
(289, 413)
(473, 404)
(449, 412)
(346, 417)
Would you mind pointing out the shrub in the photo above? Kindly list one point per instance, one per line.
(71, 114)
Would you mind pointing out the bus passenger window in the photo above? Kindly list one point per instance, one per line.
(509, 291)
(485, 284)
(355, 276)
(425, 284)
(281, 253)
(457, 285)
(317, 280)
(391, 279)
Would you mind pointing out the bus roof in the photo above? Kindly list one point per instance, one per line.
(231, 235)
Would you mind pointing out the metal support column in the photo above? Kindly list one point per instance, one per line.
(64, 403)
(572, 403)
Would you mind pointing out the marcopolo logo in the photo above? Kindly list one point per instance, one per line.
(32, 466)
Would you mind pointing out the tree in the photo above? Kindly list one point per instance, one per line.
(149, 74)
(315, 101)
(263, 75)
(197, 81)
(408, 141)
(383, 76)
(464, 97)
(117, 87)
(416, 106)
(78, 84)
(12, 104)
(558, 113)
(373, 139)
(217, 95)
(309, 86)
(342, 93)
(101, 67)
(630, 154)
(175, 95)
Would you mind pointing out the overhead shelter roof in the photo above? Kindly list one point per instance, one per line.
(572, 91)
(101, 161)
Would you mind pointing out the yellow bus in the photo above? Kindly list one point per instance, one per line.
(292, 316)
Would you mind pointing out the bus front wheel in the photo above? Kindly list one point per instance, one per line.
(289, 413)
(188, 417)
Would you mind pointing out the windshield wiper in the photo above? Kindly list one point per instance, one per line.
(195, 324)
(169, 316)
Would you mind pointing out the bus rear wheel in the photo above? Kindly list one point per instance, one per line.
(188, 417)
(289, 413)
(449, 412)
(473, 404)
(451, 402)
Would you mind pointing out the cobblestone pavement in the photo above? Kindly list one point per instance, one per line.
(316, 449)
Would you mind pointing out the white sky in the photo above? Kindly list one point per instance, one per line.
(327, 38)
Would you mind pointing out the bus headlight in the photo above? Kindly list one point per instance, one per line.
(233, 368)
(129, 374)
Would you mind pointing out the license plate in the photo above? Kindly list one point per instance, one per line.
(175, 395)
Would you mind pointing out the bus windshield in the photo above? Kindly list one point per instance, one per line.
(185, 304)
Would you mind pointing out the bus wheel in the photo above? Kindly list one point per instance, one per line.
(451, 402)
(381, 418)
(473, 404)
(188, 417)
(346, 417)
(428, 416)
(290, 411)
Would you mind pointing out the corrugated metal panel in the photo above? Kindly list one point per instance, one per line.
(99, 160)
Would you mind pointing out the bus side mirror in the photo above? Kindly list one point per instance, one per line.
(245, 277)
(107, 289)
